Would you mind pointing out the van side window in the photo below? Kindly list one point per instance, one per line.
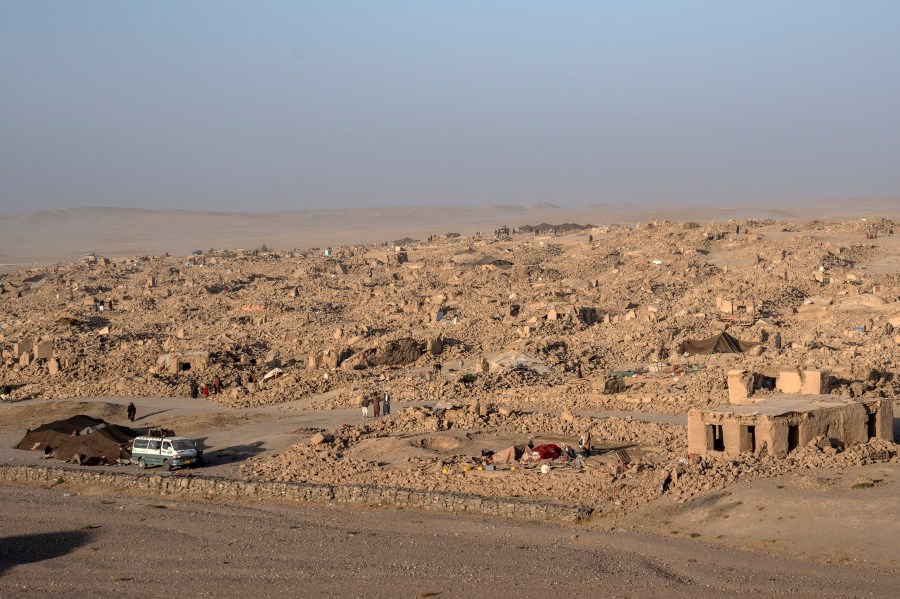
(140, 443)
(153, 445)
(167, 445)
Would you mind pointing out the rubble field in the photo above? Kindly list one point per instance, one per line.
(532, 334)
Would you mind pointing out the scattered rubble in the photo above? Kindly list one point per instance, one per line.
(489, 339)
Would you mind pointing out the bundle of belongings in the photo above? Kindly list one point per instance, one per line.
(528, 453)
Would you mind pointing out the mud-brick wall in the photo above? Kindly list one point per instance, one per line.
(217, 487)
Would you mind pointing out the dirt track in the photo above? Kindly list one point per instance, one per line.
(85, 545)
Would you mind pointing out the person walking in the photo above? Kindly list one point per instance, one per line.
(132, 411)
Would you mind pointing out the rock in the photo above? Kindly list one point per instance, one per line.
(320, 438)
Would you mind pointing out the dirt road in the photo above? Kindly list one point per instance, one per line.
(84, 545)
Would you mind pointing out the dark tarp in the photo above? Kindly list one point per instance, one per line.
(393, 353)
(723, 343)
(95, 441)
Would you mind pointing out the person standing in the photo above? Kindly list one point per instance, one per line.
(376, 407)
(584, 442)
(217, 384)
(386, 408)
(195, 389)
(132, 411)
(365, 406)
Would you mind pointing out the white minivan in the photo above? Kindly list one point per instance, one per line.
(168, 452)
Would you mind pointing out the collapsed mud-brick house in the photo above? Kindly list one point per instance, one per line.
(784, 422)
(193, 361)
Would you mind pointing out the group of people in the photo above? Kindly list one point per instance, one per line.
(216, 386)
(375, 407)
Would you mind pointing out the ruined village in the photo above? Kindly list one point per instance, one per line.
(604, 367)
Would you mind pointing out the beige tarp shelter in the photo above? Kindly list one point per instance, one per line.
(509, 455)
(496, 262)
(723, 343)
(513, 360)
(93, 441)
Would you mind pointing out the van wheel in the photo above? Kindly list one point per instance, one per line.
(141, 463)
(167, 465)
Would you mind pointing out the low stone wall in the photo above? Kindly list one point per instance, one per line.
(214, 487)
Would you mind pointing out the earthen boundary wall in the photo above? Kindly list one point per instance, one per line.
(213, 487)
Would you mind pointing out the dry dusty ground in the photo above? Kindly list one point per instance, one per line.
(84, 543)
(820, 534)
(229, 435)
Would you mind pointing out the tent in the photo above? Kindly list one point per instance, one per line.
(722, 343)
(93, 441)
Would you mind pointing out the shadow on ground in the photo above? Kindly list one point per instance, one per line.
(26, 549)
(236, 453)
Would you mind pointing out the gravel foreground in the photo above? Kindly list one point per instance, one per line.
(92, 544)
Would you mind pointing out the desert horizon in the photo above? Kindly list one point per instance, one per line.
(48, 236)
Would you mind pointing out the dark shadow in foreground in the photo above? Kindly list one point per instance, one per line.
(26, 549)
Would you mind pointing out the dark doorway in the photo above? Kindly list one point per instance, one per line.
(872, 425)
(751, 437)
(793, 437)
(185, 366)
(718, 442)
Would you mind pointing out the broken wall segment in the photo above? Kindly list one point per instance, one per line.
(785, 422)
(743, 384)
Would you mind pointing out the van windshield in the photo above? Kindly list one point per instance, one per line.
(182, 445)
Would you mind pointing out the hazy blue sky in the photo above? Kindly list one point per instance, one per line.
(267, 106)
